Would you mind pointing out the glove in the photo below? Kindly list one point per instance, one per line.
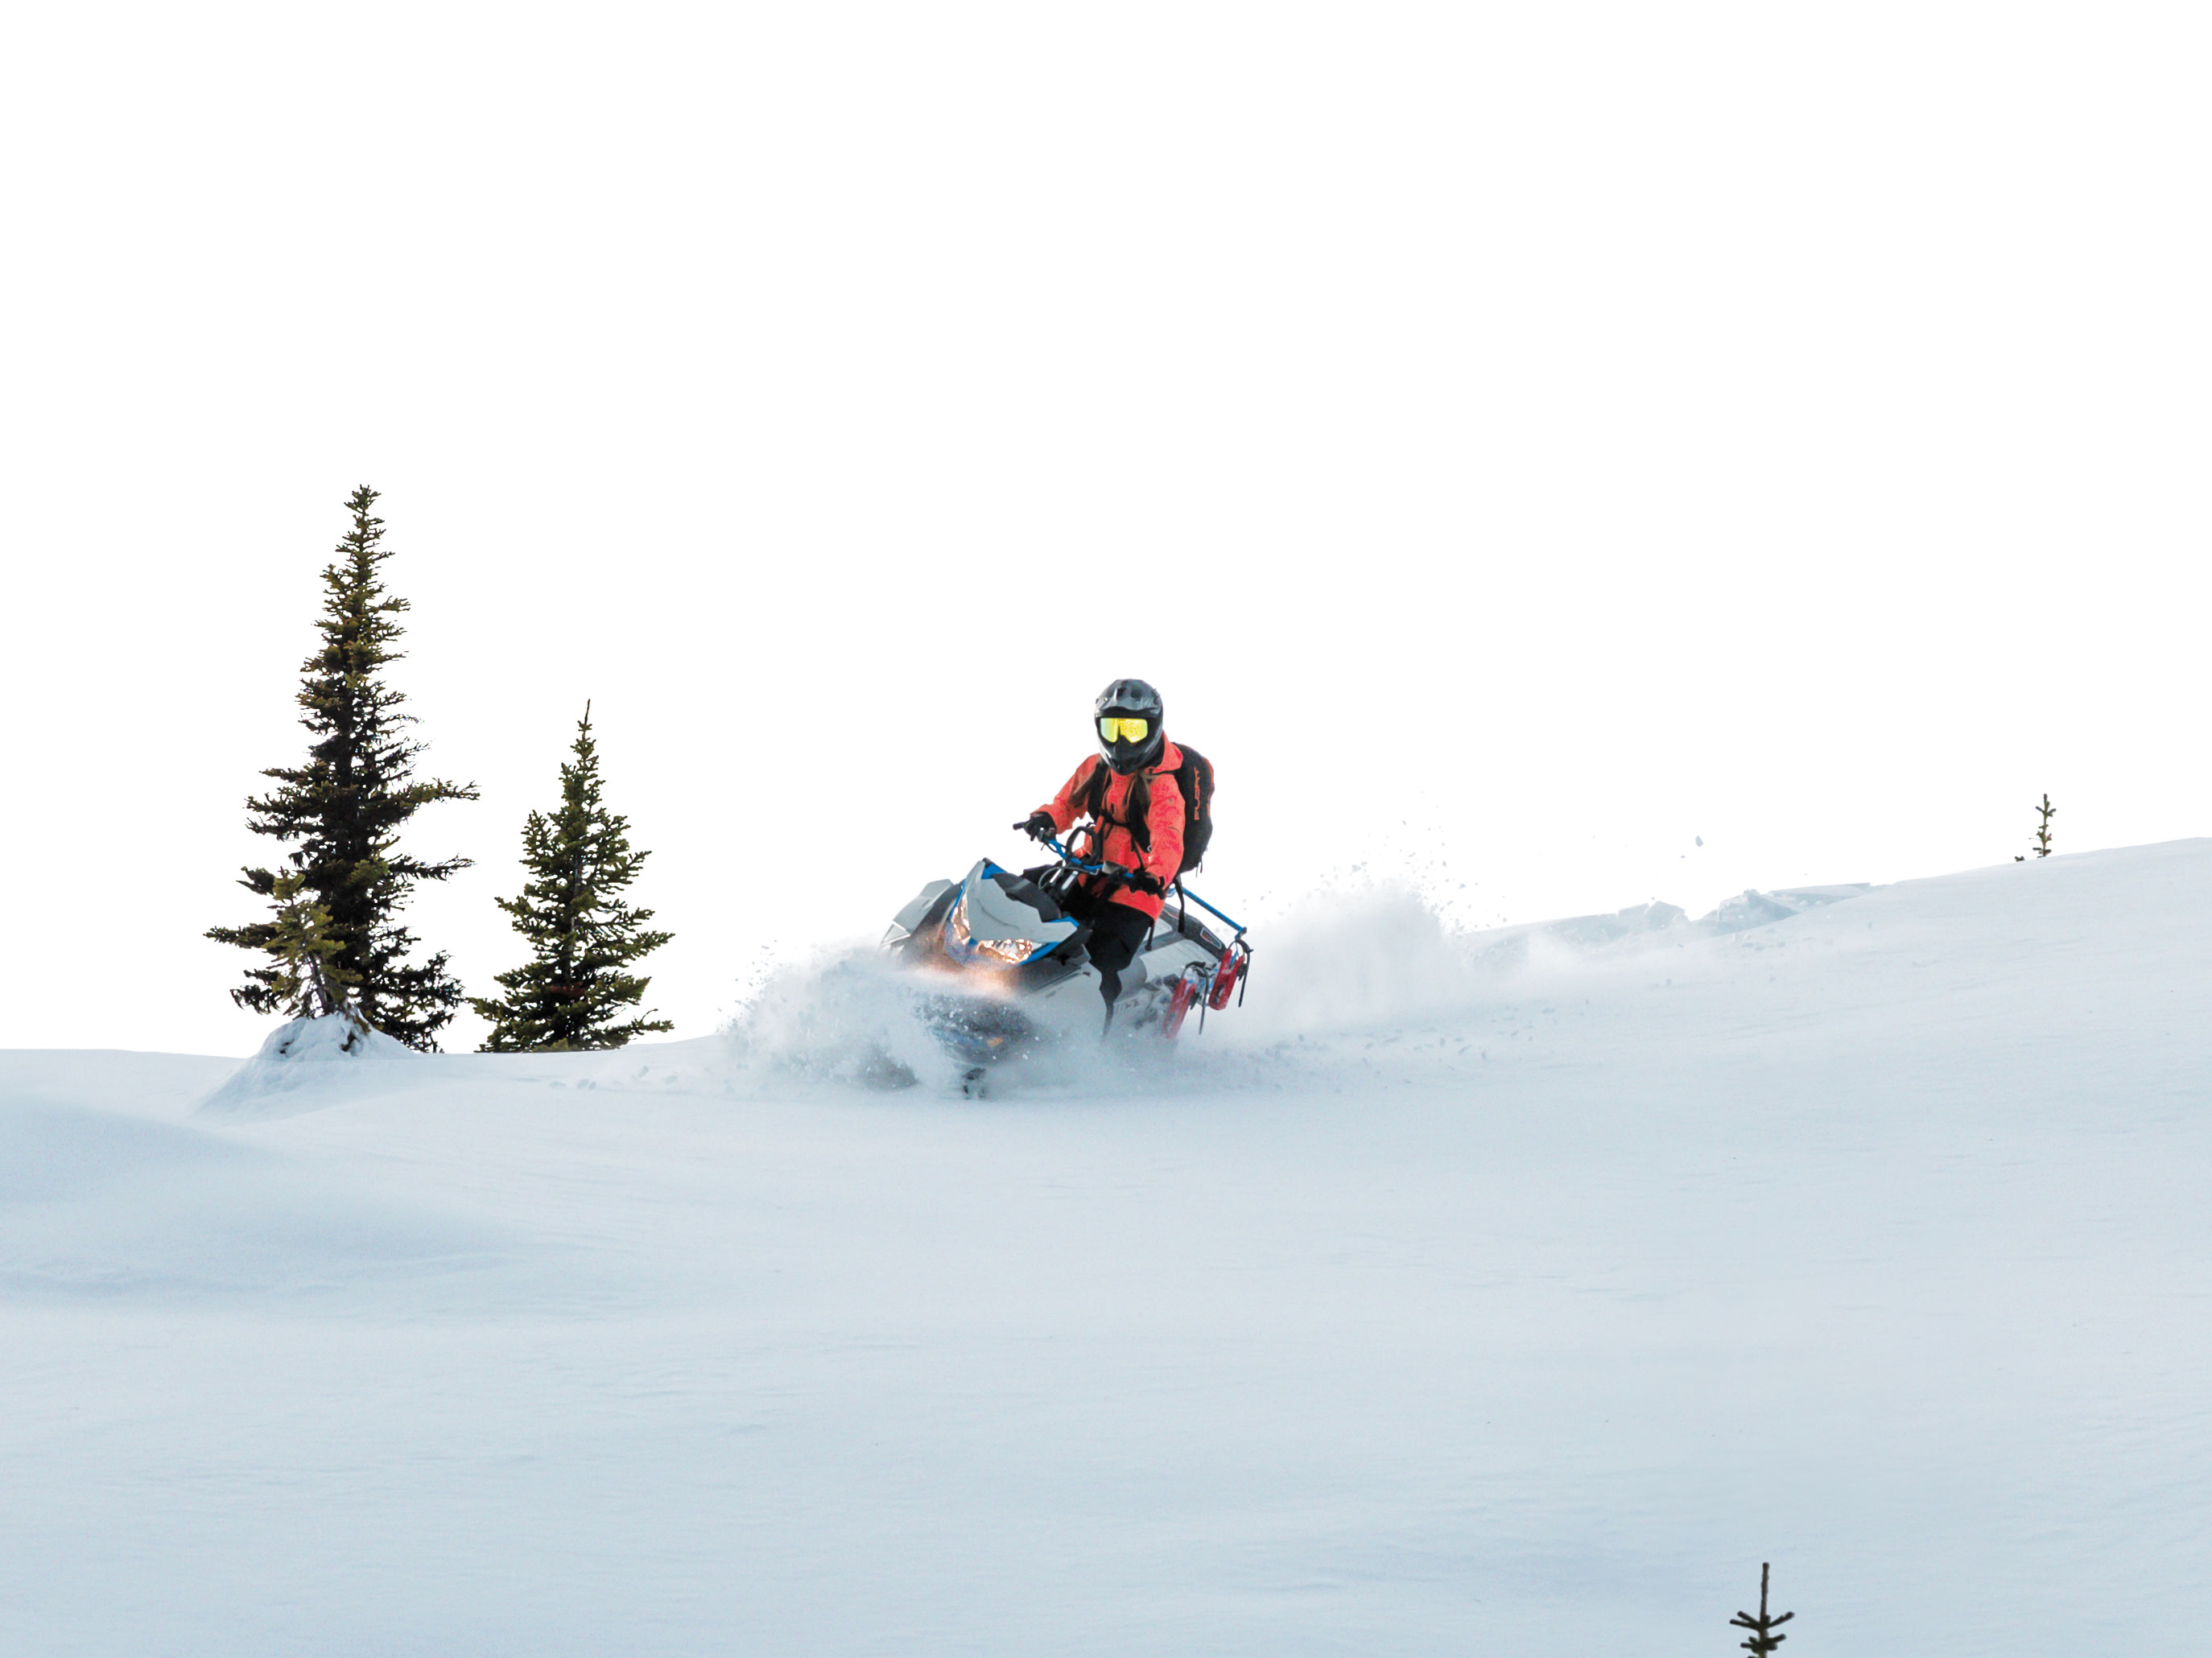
(1038, 826)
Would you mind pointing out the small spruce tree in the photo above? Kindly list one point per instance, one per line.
(573, 991)
(1763, 1639)
(2041, 845)
(343, 811)
(306, 978)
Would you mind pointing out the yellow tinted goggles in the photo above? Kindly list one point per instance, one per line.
(1119, 728)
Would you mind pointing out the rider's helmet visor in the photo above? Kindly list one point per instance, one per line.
(1123, 728)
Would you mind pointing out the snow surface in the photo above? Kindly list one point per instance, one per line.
(1450, 1298)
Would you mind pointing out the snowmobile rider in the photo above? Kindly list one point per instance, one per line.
(1129, 792)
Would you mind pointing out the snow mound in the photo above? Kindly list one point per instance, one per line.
(303, 1060)
(1756, 909)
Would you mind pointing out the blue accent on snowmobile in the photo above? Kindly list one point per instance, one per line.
(1045, 949)
(1210, 910)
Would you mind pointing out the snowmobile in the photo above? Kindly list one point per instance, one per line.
(1005, 973)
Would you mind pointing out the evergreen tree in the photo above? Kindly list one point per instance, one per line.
(582, 934)
(2041, 845)
(343, 810)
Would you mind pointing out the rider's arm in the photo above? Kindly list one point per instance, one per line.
(1063, 811)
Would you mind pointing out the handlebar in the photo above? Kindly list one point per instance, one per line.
(1115, 872)
(1070, 858)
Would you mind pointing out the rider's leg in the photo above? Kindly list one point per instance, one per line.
(1116, 930)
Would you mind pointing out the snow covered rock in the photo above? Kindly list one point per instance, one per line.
(1636, 919)
(303, 1059)
(1511, 948)
(1755, 909)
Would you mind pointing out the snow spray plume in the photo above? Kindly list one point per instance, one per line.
(848, 1020)
(1344, 961)
(1386, 954)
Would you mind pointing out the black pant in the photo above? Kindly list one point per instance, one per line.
(1116, 930)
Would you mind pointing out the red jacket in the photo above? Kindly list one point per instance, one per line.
(1164, 815)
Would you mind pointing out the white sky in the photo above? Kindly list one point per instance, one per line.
(1518, 439)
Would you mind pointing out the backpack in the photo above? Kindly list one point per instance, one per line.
(1194, 778)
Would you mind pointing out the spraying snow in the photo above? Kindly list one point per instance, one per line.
(848, 1019)
(1376, 958)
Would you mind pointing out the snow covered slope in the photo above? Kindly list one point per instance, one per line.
(1472, 1301)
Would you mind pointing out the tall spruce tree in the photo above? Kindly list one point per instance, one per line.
(343, 811)
(573, 991)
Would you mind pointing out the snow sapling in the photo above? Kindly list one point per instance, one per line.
(573, 991)
(2041, 844)
(309, 982)
(1763, 1640)
(343, 811)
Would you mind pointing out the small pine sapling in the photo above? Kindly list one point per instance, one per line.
(2041, 845)
(1763, 1640)
(582, 933)
(308, 979)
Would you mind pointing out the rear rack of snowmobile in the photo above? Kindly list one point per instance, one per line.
(1236, 964)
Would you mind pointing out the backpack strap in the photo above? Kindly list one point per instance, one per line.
(1138, 803)
(1086, 799)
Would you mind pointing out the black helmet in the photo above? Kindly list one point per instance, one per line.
(1130, 724)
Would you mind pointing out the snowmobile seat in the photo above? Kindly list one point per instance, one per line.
(1177, 919)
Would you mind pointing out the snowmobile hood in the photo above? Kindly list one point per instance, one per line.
(994, 912)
